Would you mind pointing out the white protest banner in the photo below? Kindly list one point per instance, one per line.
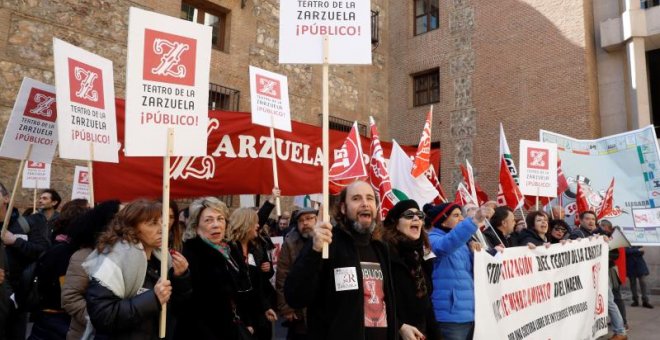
(538, 168)
(269, 93)
(304, 23)
(167, 84)
(633, 159)
(85, 104)
(36, 175)
(558, 292)
(32, 121)
(80, 183)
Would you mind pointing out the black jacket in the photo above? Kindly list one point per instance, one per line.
(22, 252)
(582, 232)
(411, 309)
(530, 236)
(136, 317)
(332, 314)
(494, 235)
(208, 315)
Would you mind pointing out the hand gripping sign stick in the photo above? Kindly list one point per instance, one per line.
(10, 207)
(276, 182)
(164, 252)
(326, 125)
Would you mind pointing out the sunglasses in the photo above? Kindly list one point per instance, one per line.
(409, 215)
(563, 230)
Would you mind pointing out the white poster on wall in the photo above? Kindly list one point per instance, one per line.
(85, 104)
(303, 24)
(269, 93)
(538, 168)
(36, 175)
(167, 84)
(80, 183)
(33, 121)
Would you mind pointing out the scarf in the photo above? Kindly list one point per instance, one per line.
(412, 254)
(123, 269)
(225, 250)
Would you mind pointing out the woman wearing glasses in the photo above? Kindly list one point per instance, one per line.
(403, 230)
(218, 273)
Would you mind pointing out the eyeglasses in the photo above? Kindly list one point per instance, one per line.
(409, 215)
(563, 230)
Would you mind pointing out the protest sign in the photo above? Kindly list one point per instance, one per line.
(238, 162)
(558, 292)
(167, 84)
(81, 187)
(538, 168)
(85, 104)
(269, 93)
(36, 175)
(303, 24)
(632, 158)
(33, 121)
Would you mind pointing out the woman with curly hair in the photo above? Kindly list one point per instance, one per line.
(403, 231)
(244, 231)
(125, 292)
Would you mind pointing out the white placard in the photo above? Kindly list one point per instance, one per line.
(246, 201)
(33, 120)
(346, 23)
(538, 168)
(546, 293)
(269, 93)
(85, 104)
(80, 183)
(36, 174)
(167, 84)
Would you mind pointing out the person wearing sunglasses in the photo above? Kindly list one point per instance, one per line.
(403, 231)
(558, 231)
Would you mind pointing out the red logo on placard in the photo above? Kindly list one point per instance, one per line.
(36, 165)
(537, 158)
(41, 105)
(83, 177)
(86, 84)
(268, 87)
(169, 58)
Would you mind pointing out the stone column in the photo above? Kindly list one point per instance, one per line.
(637, 85)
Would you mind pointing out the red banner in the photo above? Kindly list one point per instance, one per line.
(238, 161)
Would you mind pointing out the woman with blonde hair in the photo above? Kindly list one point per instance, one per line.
(125, 292)
(218, 274)
(243, 230)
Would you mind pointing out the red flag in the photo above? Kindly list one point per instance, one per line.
(463, 196)
(581, 200)
(433, 178)
(423, 156)
(348, 165)
(378, 175)
(621, 264)
(508, 194)
(607, 204)
(562, 183)
(481, 195)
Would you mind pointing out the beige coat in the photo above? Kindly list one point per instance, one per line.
(73, 294)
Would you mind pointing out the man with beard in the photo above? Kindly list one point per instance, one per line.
(305, 219)
(588, 226)
(349, 295)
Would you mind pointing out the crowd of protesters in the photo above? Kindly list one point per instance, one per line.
(84, 272)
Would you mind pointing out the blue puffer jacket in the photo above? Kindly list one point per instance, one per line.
(453, 281)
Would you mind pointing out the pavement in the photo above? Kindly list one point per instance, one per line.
(644, 323)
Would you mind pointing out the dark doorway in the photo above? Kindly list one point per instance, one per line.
(653, 60)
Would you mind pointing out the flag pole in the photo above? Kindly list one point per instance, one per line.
(326, 146)
(34, 196)
(537, 198)
(90, 167)
(164, 251)
(275, 177)
(10, 206)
